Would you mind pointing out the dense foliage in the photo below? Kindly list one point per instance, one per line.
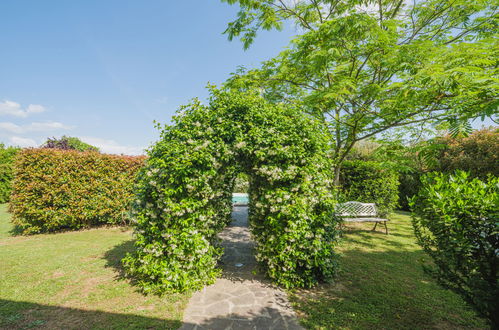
(370, 182)
(366, 67)
(184, 195)
(477, 153)
(241, 184)
(66, 189)
(6, 171)
(455, 219)
(68, 143)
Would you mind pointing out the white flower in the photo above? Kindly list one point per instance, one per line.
(240, 145)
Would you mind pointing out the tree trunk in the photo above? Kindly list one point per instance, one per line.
(337, 170)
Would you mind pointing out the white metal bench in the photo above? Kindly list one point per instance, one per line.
(360, 212)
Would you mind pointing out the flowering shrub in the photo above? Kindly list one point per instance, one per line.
(370, 182)
(6, 164)
(68, 143)
(184, 195)
(455, 219)
(61, 189)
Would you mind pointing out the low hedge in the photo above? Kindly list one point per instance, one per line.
(66, 189)
(370, 182)
(6, 172)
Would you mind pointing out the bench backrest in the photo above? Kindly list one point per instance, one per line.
(356, 209)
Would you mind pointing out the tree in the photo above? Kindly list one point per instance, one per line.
(69, 143)
(366, 67)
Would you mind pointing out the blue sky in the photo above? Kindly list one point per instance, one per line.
(104, 70)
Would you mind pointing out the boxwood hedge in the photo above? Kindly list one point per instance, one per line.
(370, 182)
(456, 221)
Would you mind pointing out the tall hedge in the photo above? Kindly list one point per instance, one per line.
(477, 153)
(6, 171)
(370, 182)
(455, 220)
(65, 189)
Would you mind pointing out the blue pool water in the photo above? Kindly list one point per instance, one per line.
(240, 199)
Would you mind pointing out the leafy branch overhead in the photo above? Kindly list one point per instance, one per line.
(365, 67)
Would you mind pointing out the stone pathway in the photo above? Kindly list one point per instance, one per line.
(240, 299)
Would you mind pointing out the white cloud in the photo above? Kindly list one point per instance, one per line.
(47, 126)
(22, 142)
(33, 127)
(10, 127)
(112, 147)
(14, 109)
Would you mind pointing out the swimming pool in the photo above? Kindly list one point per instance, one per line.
(240, 199)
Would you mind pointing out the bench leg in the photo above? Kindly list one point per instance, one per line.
(376, 224)
(386, 228)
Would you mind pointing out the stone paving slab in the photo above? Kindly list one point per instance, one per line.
(241, 299)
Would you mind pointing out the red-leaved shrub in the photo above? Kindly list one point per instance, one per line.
(66, 189)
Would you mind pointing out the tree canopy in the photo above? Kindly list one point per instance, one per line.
(68, 143)
(365, 67)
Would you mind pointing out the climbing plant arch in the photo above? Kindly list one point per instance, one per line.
(184, 195)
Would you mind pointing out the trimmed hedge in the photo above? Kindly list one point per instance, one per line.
(65, 189)
(6, 171)
(455, 220)
(410, 184)
(370, 182)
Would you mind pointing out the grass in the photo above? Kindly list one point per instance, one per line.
(72, 280)
(381, 285)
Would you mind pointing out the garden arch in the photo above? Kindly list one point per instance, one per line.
(184, 194)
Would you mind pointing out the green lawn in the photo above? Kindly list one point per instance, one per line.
(381, 285)
(71, 281)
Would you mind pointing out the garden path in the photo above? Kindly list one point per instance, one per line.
(241, 299)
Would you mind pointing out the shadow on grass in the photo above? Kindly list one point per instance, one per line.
(16, 230)
(383, 290)
(25, 315)
(113, 257)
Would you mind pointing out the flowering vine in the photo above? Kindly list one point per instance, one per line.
(184, 195)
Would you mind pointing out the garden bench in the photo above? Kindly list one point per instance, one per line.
(359, 212)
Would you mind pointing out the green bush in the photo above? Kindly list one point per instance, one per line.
(409, 186)
(6, 171)
(369, 182)
(456, 221)
(185, 190)
(241, 184)
(64, 189)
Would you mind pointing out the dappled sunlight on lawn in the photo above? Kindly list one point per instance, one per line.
(381, 284)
